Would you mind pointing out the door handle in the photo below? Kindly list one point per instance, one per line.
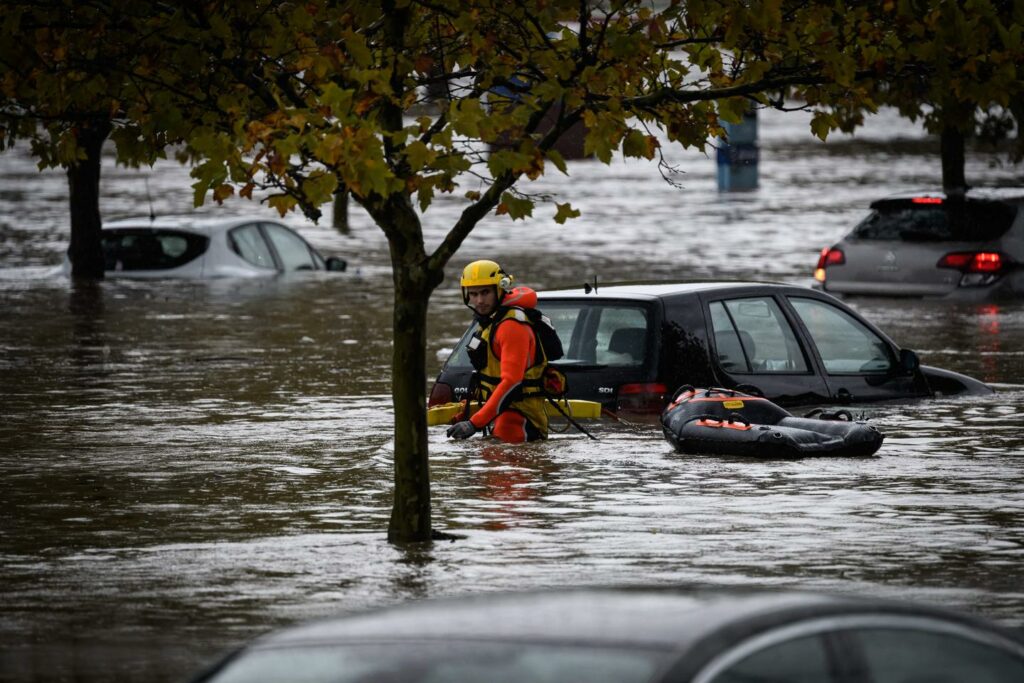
(844, 395)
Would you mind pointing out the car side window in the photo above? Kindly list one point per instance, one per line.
(150, 249)
(910, 656)
(801, 660)
(845, 344)
(293, 250)
(247, 241)
(753, 335)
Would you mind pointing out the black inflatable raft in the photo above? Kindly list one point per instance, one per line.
(726, 422)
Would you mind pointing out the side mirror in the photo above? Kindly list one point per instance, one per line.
(336, 264)
(909, 362)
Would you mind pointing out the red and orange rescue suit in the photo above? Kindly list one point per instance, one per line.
(509, 362)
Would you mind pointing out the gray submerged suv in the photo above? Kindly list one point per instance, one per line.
(928, 244)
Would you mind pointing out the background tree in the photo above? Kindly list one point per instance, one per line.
(301, 99)
(956, 67)
(69, 80)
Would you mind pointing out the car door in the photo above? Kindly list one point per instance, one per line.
(756, 343)
(859, 363)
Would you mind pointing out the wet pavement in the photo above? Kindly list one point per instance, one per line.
(186, 465)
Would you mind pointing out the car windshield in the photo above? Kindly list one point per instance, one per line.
(904, 220)
(603, 333)
(146, 249)
(437, 662)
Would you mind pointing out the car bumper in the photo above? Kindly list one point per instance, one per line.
(1007, 287)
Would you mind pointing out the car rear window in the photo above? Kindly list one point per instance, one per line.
(908, 221)
(605, 333)
(147, 249)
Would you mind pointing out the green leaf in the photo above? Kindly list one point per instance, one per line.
(283, 203)
(319, 188)
(638, 145)
(822, 124)
(558, 160)
(565, 212)
(515, 207)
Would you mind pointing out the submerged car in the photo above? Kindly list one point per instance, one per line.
(631, 346)
(930, 244)
(627, 635)
(195, 247)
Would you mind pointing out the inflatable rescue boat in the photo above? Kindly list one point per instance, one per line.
(726, 422)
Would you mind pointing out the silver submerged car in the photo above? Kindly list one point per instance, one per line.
(196, 247)
(629, 635)
(927, 244)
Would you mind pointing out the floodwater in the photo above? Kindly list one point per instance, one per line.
(186, 465)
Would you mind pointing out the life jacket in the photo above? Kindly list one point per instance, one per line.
(530, 396)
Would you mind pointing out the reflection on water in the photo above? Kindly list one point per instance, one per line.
(185, 465)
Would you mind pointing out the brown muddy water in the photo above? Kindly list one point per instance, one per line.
(186, 465)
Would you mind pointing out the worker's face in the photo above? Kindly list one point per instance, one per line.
(483, 299)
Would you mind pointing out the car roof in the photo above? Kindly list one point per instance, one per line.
(1008, 194)
(655, 617)
(194, 223)
(655, 290)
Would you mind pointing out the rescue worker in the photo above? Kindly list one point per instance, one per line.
(507, 354)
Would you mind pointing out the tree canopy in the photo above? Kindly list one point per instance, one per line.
(956, 67)
(402, 100)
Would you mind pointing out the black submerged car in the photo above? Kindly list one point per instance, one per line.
(634, 635)
(631, 346)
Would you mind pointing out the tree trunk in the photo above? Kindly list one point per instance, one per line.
(86, 249)
(954, 181)
(340, 211)
(410, 514)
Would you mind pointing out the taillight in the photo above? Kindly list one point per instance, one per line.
(830, 256)
(973, 262)
(440, 394)
(979, 268)
(926, 200)
(642, 398)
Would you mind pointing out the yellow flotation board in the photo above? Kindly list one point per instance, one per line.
(576, 409)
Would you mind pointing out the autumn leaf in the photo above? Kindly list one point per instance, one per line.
(222, 192)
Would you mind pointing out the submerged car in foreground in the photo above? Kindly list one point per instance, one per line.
(631, 346)
(630, 635)
(196, 247)
(928, 244)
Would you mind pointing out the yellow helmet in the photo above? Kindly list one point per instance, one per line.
(484, 272)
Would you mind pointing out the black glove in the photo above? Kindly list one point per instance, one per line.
(462, 430)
